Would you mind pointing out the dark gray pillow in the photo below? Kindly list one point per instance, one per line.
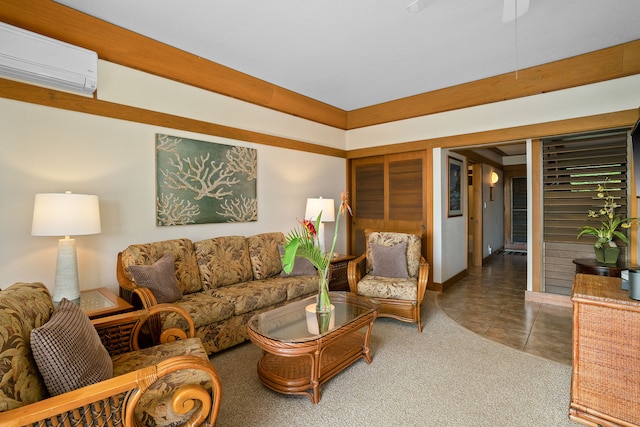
(390, 261)
(68, 351)
(301, 267)
(160, 278)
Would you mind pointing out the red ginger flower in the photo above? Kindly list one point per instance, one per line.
(309, 227)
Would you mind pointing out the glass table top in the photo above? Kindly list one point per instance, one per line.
(94, 300)
(289, 322)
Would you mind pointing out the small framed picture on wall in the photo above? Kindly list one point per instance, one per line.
(454, 187)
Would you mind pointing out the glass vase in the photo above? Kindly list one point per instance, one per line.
(323, 306)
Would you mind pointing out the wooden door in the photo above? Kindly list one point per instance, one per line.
(389, 192)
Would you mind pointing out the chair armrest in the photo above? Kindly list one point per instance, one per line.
(120, 333)
(117, 397)
(355, 271)
(423, 278)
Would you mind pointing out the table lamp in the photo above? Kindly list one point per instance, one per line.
(314, 208)
(66, 214)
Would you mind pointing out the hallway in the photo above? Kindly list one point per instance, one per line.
(490, 302)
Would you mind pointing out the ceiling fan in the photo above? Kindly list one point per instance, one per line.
(511, 9)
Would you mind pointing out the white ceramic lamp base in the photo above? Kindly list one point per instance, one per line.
(66, 271)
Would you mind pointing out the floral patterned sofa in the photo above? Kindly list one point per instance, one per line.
(222, 282)
(50, 359)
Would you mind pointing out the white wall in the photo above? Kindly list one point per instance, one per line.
(51, 150)
(449, 234)
(493, 211)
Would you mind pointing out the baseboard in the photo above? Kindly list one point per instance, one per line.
(544, 298)
(441, 287)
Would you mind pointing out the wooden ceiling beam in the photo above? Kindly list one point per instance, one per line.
(123, 47)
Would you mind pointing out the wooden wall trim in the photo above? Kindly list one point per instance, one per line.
(606, 64)
(537, 228)
(625, 118)
(120, 46)
(51, 98)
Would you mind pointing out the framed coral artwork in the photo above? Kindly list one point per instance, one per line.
(199, 182)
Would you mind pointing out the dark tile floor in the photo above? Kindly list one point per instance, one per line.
(490, 302)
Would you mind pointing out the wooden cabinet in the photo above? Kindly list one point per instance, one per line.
(390, 192)
(338, 280)
(605, 382)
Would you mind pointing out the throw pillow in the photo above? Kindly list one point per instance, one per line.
(301, 267)
(160, 277)
(390, 261)
(68, 351)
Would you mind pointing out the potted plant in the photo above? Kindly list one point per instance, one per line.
(606, 250)
(303, 242)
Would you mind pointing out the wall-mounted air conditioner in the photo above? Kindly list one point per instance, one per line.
(42, 60)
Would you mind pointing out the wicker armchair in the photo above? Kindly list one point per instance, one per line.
(170, 384)
(398, 277)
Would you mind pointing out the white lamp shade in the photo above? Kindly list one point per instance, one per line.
(315, 206)
(65, 214)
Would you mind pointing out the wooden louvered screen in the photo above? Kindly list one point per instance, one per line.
(388, 194)
(572, 170)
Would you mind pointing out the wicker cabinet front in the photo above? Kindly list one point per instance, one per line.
(605, 385)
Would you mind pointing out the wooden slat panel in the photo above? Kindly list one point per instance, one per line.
(405, 190)
(573, 167)
(369, 191)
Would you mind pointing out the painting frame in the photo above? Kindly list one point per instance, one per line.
(204, 182)
(454, 187)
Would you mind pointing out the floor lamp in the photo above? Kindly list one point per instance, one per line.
(66, 214)
(322, 207)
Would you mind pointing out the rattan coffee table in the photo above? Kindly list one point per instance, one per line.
(295, 361)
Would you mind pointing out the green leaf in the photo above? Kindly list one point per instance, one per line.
(289, 257)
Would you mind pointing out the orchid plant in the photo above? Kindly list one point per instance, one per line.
(303, 242)
(610, 221)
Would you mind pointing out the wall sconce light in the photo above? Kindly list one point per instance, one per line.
(66, 214)
(494, 178)
(316, 207)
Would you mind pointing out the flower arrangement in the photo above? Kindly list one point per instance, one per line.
(303, 242)
(610, 221)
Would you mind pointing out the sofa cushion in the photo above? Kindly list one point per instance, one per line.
(390, 261)
(388, 287)
(23, 306)
(154, 407)
(186, 266)
(68, 350)
(160, 278)
(298, 286)
(223, 261)
(203, 307)
(265, 258)
(253, 295)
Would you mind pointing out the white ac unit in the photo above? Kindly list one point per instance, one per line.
(42, 60)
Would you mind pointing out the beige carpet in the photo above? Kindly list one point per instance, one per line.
(444, 376)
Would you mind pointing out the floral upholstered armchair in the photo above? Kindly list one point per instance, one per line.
(59, 368)
(393, 271)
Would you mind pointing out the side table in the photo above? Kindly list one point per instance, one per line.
(338, 279)
(102, 302)
(591, 266)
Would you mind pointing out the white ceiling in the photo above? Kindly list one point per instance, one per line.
(357, 53)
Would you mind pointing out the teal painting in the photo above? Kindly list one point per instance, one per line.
(199, 182)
